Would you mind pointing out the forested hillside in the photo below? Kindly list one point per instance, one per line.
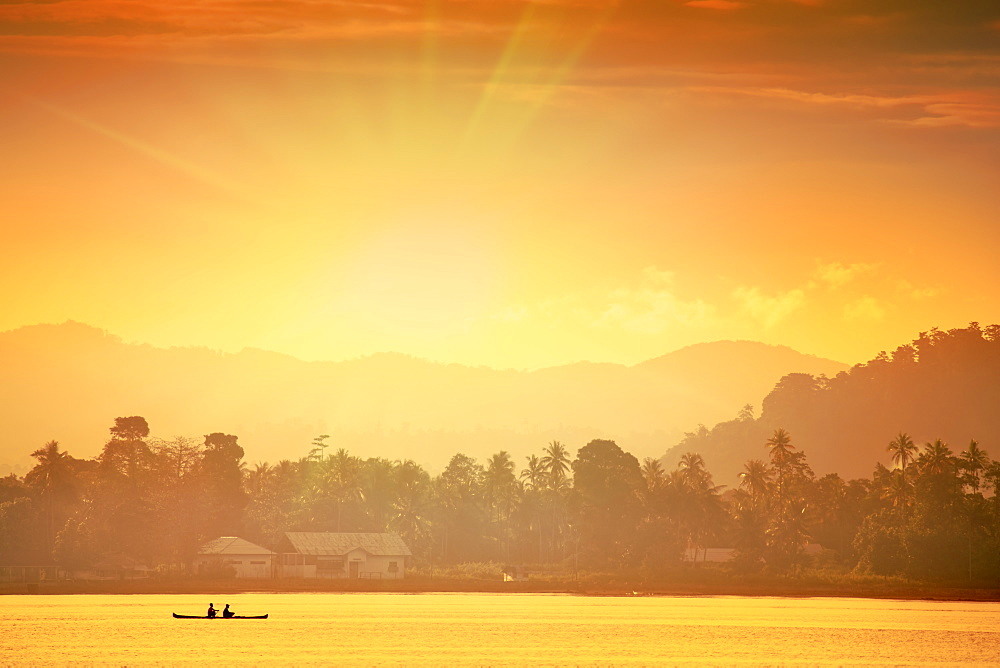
(944, 385)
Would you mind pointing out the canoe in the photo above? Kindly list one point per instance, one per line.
(176, 616)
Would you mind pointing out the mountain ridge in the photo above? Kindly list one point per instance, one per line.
(69, 381)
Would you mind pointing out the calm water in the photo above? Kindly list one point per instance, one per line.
(495, 629)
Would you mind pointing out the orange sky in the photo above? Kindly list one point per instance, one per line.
(501, 182)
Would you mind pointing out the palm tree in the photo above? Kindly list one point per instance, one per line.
(256, 480)
(409, 519)
(974, 461)
(903, 451)
(937, 458)
(500, 489)
(654, 475)
(342, 481)
(781, 446)
(53, 475)
(52, 470)
(897, 491)
(755, 479)
(695, 499)
(534, 475)
(692, 468)
(378, 490)
(556, 464)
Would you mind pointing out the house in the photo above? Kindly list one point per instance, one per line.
(247, 559)
(342, 555)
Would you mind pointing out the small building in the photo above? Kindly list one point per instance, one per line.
(245, 558)
(304, 554)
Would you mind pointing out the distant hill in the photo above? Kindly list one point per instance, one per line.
(68, 382)
(942, 385)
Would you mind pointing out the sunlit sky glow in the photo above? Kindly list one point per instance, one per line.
(501, 182)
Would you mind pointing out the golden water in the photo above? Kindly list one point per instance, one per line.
(495, 629)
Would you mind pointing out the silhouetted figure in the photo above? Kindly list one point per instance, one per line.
(212, 611)
(226, 612)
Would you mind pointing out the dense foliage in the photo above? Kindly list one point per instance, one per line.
(944, 384)
(934, 515)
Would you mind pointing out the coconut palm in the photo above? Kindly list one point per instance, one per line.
(341, 481)
(500, 480)
(903, 451)
(653, 475)
(53, 475)
(409, 517)
(534, 475)
(378, 483)
(780, 444)
(937, 458)
(556, 463)
(692, 469)
(755, 479)
(897, 491)
(257, 480)
(53, 470)
(974, 460)
(781, 447)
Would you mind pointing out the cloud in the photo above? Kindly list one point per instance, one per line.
(907, 290)
(725, 5)
(208, 18)
(652, 307)
(836, 274)
(769, 310)
(957, 113)
(972, 109)
(865, 308)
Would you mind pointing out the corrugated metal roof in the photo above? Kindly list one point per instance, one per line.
(315, 543)
(232, 545)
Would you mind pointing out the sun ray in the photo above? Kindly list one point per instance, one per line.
(500, 72)
(546, 81)
(190, 169)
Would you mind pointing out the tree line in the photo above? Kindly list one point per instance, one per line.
(932, 516)
(942, 384)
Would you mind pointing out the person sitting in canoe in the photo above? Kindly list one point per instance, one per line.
(211, 611)
(227, 613)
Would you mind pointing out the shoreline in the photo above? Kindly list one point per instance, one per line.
(465, 586)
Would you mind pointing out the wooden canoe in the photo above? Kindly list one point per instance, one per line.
(176, 616)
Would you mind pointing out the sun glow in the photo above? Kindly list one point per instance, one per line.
(475, 181)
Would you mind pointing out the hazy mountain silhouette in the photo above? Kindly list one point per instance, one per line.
(942, 385)
(68, 382)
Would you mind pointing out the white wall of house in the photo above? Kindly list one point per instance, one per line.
(356, 564)
(245, 565)
(384, 567)
(297, 566)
